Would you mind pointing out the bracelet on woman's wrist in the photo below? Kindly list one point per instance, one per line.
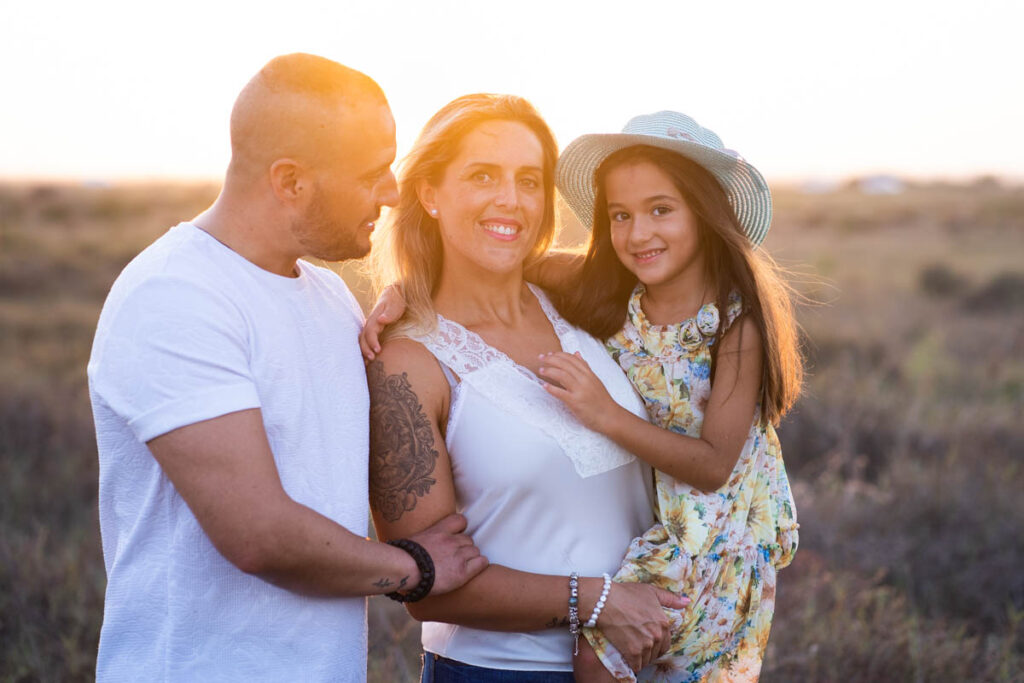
(574, 610)
(424, 563)
(592, 621)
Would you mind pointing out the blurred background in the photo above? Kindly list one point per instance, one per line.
(890, 133)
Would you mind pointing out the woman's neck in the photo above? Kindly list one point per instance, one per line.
(481, 297)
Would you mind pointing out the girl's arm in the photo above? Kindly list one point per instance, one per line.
(557, 271)
(705, 462)
(411, 487)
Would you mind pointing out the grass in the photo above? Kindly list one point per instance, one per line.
(905, 450)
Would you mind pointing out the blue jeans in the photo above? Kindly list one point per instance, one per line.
(438, 669)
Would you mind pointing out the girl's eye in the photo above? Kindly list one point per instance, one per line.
(662, 210)
(619, 216)
(529, 183)
(481, 177)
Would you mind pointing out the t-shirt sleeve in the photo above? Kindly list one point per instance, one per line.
(173, 353)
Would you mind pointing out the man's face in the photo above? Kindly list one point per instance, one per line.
(352, 180)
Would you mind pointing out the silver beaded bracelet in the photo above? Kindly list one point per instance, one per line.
(592, 621)
(574, 611)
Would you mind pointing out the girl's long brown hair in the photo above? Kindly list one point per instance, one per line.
(598, 303)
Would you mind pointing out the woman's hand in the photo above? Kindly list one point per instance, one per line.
(578, 387)
(389, 308)
(635, 623)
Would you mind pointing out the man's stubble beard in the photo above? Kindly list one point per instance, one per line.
(323, 238)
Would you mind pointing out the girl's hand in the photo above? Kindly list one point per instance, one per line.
(571, 380)
(389, 308)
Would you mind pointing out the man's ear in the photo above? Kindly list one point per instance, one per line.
(287, 180)
(427, 195)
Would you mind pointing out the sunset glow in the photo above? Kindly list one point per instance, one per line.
(115, 90)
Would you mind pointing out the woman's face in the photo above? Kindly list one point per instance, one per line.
(653, 231)
(490, 201)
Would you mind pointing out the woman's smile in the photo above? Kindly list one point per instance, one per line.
(504, 229)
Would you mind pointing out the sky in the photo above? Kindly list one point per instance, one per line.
(109, 90)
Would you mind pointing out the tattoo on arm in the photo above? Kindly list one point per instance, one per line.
(402, 453)
(385, 582)
(555, 621)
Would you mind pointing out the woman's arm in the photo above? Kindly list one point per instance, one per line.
(705, 462)
(411, 487)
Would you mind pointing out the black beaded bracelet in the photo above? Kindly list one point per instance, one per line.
(425, 565)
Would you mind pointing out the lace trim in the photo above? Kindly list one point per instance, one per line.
(495, 376)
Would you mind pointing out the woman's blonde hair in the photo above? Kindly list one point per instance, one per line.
(408, 251)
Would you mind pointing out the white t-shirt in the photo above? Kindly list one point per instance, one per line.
(191, 330)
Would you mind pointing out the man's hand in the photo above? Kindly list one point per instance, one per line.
(456, 559)
(635, 623)
(389, 308)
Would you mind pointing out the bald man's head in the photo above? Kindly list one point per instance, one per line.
(293, 109)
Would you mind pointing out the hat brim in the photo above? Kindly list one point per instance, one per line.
(744, 185)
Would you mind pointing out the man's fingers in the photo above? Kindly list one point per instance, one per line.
(463, 543)
(452, 524)
(476, 565)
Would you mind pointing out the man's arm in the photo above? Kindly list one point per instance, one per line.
(225, 471)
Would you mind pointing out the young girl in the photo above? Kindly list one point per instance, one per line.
(697, 317)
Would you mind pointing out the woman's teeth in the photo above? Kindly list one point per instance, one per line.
(500, 229)
(645, 255)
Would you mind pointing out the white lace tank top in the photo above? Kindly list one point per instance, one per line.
(541, 492)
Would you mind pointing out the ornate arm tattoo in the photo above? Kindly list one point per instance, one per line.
(402, 454)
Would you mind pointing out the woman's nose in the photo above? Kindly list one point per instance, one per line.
(507, 194)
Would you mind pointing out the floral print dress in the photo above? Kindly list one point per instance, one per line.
(722, 549)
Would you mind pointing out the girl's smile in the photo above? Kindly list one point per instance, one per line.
(653, 231)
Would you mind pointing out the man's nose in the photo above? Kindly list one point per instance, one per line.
(388, 193)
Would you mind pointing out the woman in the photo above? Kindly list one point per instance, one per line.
(460, 420)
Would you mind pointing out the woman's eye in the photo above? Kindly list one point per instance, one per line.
(662, 210)
(619, 216)
(530, 183)
(481, 177)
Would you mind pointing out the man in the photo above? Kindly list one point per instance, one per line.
(231, 409)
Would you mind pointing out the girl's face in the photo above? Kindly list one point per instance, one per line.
(490, 201)
(653, 231)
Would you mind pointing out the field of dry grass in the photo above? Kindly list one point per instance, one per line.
(906, 450)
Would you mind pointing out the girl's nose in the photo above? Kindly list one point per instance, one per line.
(641, 231)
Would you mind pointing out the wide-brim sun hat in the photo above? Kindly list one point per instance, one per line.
(744, 185)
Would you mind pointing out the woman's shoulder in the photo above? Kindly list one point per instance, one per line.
(406, 363)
